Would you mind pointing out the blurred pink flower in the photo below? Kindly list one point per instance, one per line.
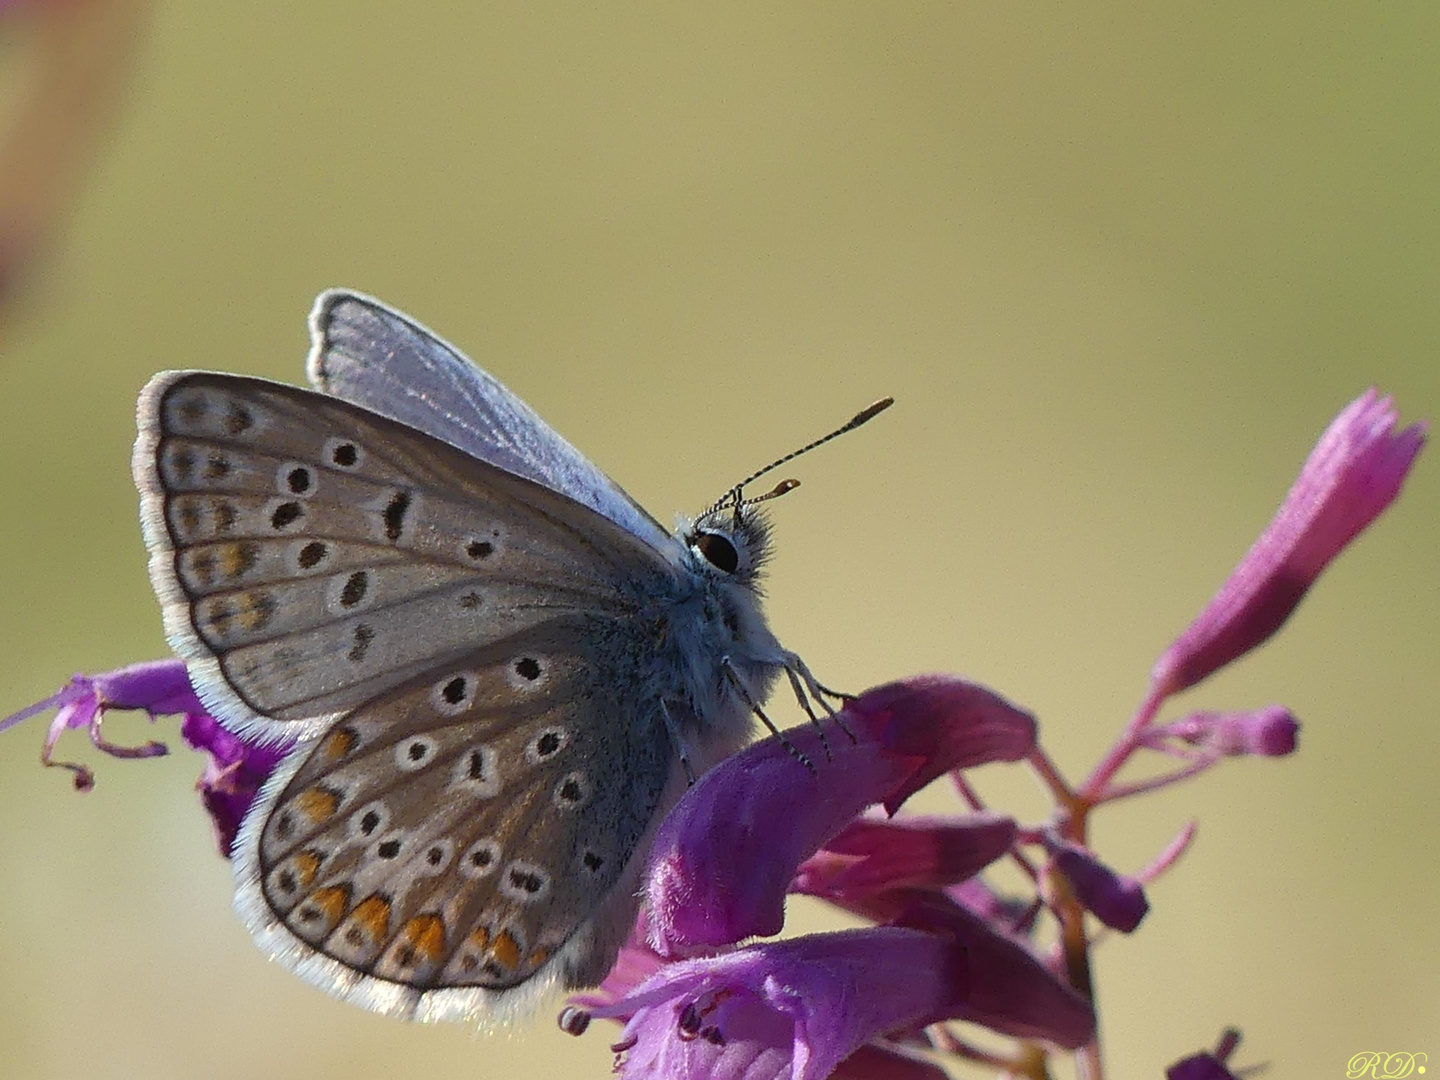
(1116, 900)
(1269, 732)
(1352, 475)
(78, 56)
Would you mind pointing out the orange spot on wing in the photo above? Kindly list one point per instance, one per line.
(318, 803)
(306, 864)
(339, 743)
(258, 611)
(426, 933)
(538, 957)
(331, 902)
(480, 938)
(238, 559)
(506, 950)
(373, 916)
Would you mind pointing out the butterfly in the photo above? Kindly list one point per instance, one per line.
(498, 671)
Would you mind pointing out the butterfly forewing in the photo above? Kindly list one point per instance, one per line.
(313, 556)
(457, 831)
(372, 355)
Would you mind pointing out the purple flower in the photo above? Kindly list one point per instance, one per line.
(724, 858)
(1116, 900)
(945, 947)
(1269, 732)
(1011, 991)
(1352, 475)
(159, 687)
(235, 769)
(234, 773)
(1199, 1067)
(1208, 1066)
(788, 1009)
(869, 856)
(876, 1062)
(749, 830)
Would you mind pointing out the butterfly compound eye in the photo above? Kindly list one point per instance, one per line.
(718, 551)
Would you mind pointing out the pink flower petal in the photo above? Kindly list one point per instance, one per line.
(1269, 732)
(1355, 472)
(1116, 900)
(870, 856)
(1010, 991)
(724, 858)
(787, 1009)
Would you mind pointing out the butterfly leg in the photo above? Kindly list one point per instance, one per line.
(739, 685)
(799, 674)
(804, 699)
(677, 740)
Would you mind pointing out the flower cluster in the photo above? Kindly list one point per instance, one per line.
(942, 949)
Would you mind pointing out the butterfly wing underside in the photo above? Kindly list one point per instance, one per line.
(440, 846)
(368, 353)
(442, 637)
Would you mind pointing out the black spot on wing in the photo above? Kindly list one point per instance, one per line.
(354, 590)
(395, 514)
(364, 635)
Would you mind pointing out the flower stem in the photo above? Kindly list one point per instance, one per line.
(1130, 740)
(1154, 783)
(1050, 776)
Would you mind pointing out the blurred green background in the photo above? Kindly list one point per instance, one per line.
(1119, 263)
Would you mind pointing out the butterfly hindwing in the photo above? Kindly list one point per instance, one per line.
(447, 841)
(312, 556)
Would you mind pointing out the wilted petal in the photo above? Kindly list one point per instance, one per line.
(1116, 900)
(789, 1009)
(725, 856)
(235, 769)
(159, 687)
(870, 856)
(1352, 475)
(1267, 732)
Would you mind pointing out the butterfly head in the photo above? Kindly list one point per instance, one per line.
(731, 540)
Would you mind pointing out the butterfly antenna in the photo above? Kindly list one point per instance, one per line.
(783, 487)
(864, 416)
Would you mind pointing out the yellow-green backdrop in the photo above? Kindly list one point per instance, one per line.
(1119, 264)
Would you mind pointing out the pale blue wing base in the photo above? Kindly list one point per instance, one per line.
(372, 355)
